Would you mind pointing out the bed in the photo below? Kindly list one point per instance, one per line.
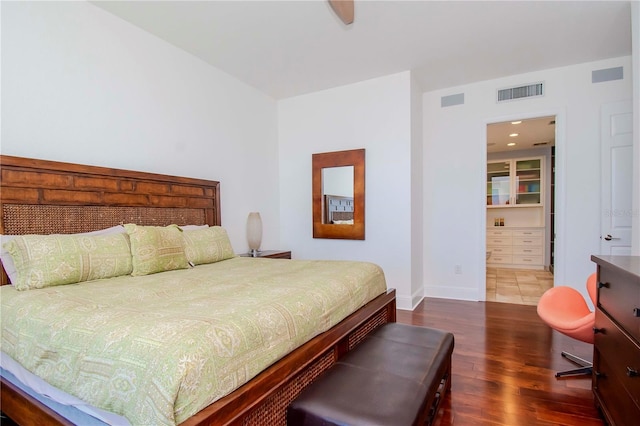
(44, 197)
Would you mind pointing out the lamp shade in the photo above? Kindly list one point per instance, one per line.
(254, 231)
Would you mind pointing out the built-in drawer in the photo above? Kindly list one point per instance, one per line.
(614, 400)
(527, 251)
(499, 233)
(622, 354)
(619, 296)
(527, 260)
(500, 250)
(527, 241)
(499, 241)
(500, 259)
(526, 233)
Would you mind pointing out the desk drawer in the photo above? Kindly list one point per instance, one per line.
(499, 233)
(500, 250)
(499, 241)
(501, 259)
(527, 241)
(528, 234)
(621, 353)
(616, 402)
(527, 260)
(620, 298)
(527, 251)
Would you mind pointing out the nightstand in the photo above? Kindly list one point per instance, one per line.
(272, 254)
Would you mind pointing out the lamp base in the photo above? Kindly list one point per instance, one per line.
(254, 252)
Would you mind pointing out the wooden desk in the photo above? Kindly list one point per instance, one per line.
(616, 351)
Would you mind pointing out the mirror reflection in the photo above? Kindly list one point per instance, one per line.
(337, 191)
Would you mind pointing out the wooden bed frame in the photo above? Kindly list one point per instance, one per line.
(45, 197)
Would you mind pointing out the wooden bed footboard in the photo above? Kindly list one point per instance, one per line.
(25, 410)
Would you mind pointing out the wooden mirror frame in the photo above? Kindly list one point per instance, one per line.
(355, 158)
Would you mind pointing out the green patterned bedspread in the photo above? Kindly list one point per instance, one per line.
(159, 348)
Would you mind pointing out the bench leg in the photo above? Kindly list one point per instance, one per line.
(445, 386)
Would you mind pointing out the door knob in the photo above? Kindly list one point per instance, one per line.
(609, 238)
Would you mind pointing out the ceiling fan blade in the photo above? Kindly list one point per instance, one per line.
(344, 10)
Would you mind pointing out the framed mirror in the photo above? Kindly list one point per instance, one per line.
(338, 194)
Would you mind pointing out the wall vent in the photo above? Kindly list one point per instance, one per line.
(598, 76)
(451, 100)
(520, 92)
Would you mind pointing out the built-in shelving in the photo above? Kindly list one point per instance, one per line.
(515, 182)
(515, 200)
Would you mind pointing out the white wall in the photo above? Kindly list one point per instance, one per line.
(81, 85)
(417, 192)
(375, 115)
(635, 44)
(454, 164)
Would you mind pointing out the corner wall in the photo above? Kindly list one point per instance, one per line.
(417, 192)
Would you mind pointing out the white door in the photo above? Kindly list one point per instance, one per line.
(617, 172)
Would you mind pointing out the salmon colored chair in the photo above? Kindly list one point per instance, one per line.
(565, 310)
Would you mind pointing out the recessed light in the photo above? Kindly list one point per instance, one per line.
(511, 144)
(513, 135)
(516, 122)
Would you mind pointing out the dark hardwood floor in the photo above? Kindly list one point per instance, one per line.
(504, 362)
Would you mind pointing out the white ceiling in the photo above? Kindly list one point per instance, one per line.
(288, 48)
(531, 133)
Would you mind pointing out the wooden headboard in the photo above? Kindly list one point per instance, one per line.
(49, 197)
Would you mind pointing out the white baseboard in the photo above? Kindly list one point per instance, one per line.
(457, 293)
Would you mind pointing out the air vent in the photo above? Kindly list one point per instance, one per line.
(457, 99)
(540, 143)
(520, 92)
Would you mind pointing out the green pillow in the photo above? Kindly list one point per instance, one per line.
(49, 260)
(156, 248)
(207, 245)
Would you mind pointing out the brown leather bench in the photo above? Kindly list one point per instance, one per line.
(395, 376)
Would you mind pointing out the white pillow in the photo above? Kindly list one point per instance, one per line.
(7, 260)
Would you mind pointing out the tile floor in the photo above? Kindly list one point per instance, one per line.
(522, 286)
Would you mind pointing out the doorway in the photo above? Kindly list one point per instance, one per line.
(520, 187)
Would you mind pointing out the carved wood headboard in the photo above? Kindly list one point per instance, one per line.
(48, 197)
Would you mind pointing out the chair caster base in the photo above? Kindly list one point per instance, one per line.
(586, 367)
